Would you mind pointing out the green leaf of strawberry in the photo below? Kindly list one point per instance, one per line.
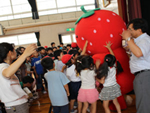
(86, 13)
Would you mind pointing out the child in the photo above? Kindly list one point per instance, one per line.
(61, 45)
(75, 54)
(106, 75)
(42, 51)
(28, 65)
(57, 87)
(53, 44)
(68, 47)
(87, 93)
(58, 63)
(38, 70)
(75, 83)
(49, 50)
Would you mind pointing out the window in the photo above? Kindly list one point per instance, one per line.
(74, 38)
(65, 3)
(46, 4)
(21, 8)
(84, 2)
(87, 7)
(20, 39)
(14, 9)
(66, 10)
(10, 39)
(68, 38)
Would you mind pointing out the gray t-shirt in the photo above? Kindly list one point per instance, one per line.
(59, 65)
(57, 93)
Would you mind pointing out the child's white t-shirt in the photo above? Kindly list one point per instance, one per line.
(111, 78)
(88, 79)
(71, 74)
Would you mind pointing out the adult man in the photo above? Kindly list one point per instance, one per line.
(139, 43)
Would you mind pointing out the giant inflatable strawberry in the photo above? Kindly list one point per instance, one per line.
(98, 27)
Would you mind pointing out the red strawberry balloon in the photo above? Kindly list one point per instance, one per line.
(98, 27)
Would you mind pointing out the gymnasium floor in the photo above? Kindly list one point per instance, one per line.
(42, 104)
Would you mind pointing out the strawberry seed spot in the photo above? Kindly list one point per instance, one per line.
(111, 35)
(108, 20)
(99, 19)
(94, 31)
(90, 43)
(114, 14)
(89, 51)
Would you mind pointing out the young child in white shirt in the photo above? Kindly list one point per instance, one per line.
(106, 75)
(75, 83)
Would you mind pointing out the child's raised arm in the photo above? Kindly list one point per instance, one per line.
(84, 48)
(97, 64)
(108, 46)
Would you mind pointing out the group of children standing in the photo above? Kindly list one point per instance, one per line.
(74, 76)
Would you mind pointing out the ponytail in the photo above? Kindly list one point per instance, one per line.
(119, 67)
(79, 66)
(102, 71)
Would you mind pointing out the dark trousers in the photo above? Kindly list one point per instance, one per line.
(142, 92)
(2, 108)
(39, 82)
(61, 109)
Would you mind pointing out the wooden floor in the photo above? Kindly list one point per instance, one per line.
(42, 105)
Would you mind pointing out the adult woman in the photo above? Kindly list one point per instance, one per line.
(14, 98)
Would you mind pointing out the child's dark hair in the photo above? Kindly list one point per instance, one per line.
(49, 48)
(69, 63)
(27, 79)
(73, 52)
(52, 43)
(64, 52)
(41, 48)
(109, 61)
(57, 53)
(83, 62)
(61, 43)
(51, 55)
(54, 47)
(4, 49)
(47, 63)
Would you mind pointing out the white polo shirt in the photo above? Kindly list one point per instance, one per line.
(10, 89)
(142, 63)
